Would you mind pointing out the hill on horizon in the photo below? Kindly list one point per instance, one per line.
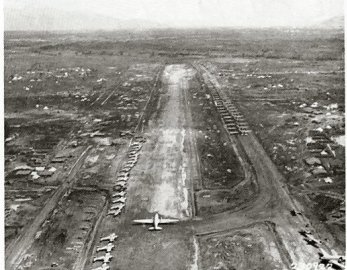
(41, 20)
(337, 22)
(36, 19)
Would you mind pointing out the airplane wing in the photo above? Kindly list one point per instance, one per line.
(168, 220)
(341, 266)
(143, 221)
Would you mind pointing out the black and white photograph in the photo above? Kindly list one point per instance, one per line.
(173, 135)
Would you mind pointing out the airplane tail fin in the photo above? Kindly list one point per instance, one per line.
(323, 253)
(155, 229)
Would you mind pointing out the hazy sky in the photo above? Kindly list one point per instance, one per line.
(193, 13)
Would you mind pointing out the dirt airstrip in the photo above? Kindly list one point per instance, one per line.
(128, 135)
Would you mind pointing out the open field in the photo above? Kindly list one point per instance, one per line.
(238, 134)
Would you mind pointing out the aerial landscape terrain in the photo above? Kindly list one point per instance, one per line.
(236, 137)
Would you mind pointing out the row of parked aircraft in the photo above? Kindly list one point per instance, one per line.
(118, 198)
(105, 259)
(155, 221)
(117, 204)
(338, 261)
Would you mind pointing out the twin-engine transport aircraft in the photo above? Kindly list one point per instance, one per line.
(107, 248)
(109, 238)
(312, 241)
(336, 260)
(105, 259)
(156, 220)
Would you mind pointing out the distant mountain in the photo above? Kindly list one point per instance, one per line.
(332, 23)
(50, 20)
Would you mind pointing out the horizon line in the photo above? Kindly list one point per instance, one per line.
(181, 28)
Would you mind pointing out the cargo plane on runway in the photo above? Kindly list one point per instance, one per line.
(155, 221)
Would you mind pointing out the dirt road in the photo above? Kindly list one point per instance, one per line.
(272, 204)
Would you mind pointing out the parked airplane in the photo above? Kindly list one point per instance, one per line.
(156, 220)
(305, 232)
(312, 241)
(121, 200)
(106, 258)
(116, 206)
(294, 213)
(121, 181)
(339, 259)
(120, 185)
(119, 194)
(119, 188)
(135, 144)
(122, 177)
(114, 212)
(336, 265)
(104, 266)
(131, 163)
(108, 248)
(109, 238)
